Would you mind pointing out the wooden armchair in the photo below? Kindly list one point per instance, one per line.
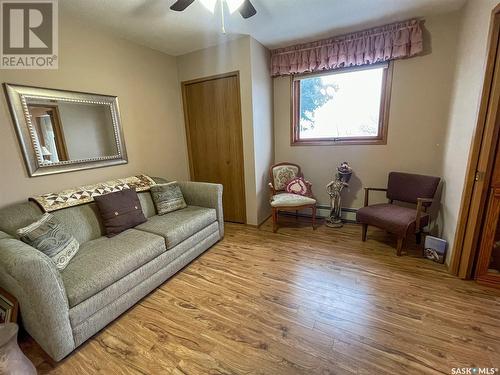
(402, 221)
(280, 200)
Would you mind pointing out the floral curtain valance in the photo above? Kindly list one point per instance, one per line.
(390, 42)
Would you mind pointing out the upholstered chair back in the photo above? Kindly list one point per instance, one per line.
(407, 187)
(282, 173)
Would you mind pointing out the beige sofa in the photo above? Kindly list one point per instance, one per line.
(62, 309)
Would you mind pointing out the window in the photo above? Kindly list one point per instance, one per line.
(347, 106)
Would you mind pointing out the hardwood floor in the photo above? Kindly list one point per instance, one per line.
(298, 302)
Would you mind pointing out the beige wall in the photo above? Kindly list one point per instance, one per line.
(237, 56)
(262, 101)
(468, 80)
(417, 122)
(146, 84)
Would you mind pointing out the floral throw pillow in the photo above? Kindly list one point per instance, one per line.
(282, 175)
(299, 186)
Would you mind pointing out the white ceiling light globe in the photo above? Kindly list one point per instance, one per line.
(233, 5)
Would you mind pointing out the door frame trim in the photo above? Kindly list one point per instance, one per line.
(184, 84)
(480, 161)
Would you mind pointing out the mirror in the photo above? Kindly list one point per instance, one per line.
(62, 131)
(71, 131)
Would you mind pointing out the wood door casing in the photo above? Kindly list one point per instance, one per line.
(479, 166)
(212, 112)
(55, 117)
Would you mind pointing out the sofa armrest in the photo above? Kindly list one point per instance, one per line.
(205, 195)
(34, 280)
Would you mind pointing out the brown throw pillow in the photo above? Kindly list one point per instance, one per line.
(120, 211)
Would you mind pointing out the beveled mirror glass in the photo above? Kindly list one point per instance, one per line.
(62, 131)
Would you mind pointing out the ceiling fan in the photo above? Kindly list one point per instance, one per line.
(245, 7)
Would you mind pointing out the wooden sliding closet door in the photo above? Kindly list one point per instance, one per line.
(212, 112)
(488, 263)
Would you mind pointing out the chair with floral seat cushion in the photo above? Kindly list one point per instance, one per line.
(281, 174)
(400, 220)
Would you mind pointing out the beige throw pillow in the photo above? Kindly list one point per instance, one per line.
(167, 197)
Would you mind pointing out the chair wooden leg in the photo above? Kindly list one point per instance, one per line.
(364, 229)
(399, 248)
(275, 220)
(314, 217)
(418, 237)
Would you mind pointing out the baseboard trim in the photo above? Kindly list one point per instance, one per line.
(263, 221)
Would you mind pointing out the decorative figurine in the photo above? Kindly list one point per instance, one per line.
(334, 188)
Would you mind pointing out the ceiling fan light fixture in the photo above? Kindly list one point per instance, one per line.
(209, 4)
(233, 5)
(245, 7)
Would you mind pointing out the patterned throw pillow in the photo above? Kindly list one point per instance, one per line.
(299, 186)
(49, 236)
(167, 197)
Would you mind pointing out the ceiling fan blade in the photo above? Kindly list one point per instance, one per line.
(180, 5)
(247, 10)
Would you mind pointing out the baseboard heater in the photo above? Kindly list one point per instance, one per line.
(348, 214)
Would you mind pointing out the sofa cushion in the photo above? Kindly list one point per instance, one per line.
(17, 216)
(391, 217)
(83, 222)
(101, 262)
(179, 225)
(4, 235)
(148, 206)
(108, 296)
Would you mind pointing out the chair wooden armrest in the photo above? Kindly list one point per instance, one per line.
(271, 189)
(421, 209)
(367, 193)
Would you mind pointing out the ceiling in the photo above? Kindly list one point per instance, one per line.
(278, 22)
